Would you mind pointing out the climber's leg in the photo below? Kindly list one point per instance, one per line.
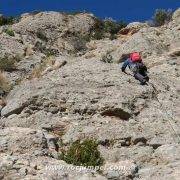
(141, 78)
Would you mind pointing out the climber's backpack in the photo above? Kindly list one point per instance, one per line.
(135, 57)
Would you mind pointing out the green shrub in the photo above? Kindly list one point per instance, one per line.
(6, 20)
(10, 32)
(162, 16)
(108, 26)
(8, 63)
(83, 154)
(79, 44)
(107, 58)
(39, 46)
(42, 36)
(113, 27)
(97, 32)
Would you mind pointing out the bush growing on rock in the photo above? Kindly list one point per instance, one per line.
(113, 27)
(83, 154)
(107, 58)
(10, 32)
(6, 20)
(79, 44)
(39, 46)
(8, 63)
(162, 16)
(97, 30)
(41, 36)
(108, 26)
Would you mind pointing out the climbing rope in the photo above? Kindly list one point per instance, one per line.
(170, 120)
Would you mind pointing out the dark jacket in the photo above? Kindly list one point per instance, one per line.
(134, 67)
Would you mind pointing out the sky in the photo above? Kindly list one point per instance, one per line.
(127, 10)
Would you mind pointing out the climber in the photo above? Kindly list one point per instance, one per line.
(135, 64)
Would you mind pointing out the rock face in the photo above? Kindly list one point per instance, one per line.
(10, 45)
(63, 33)
(132, 28)
(176, 15)
(29, 141)
(75, 97)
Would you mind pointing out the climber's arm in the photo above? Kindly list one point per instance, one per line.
(125, 64)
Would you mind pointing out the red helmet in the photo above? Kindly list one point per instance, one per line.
(135, 57)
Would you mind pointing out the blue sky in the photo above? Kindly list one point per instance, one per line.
(128, 10)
